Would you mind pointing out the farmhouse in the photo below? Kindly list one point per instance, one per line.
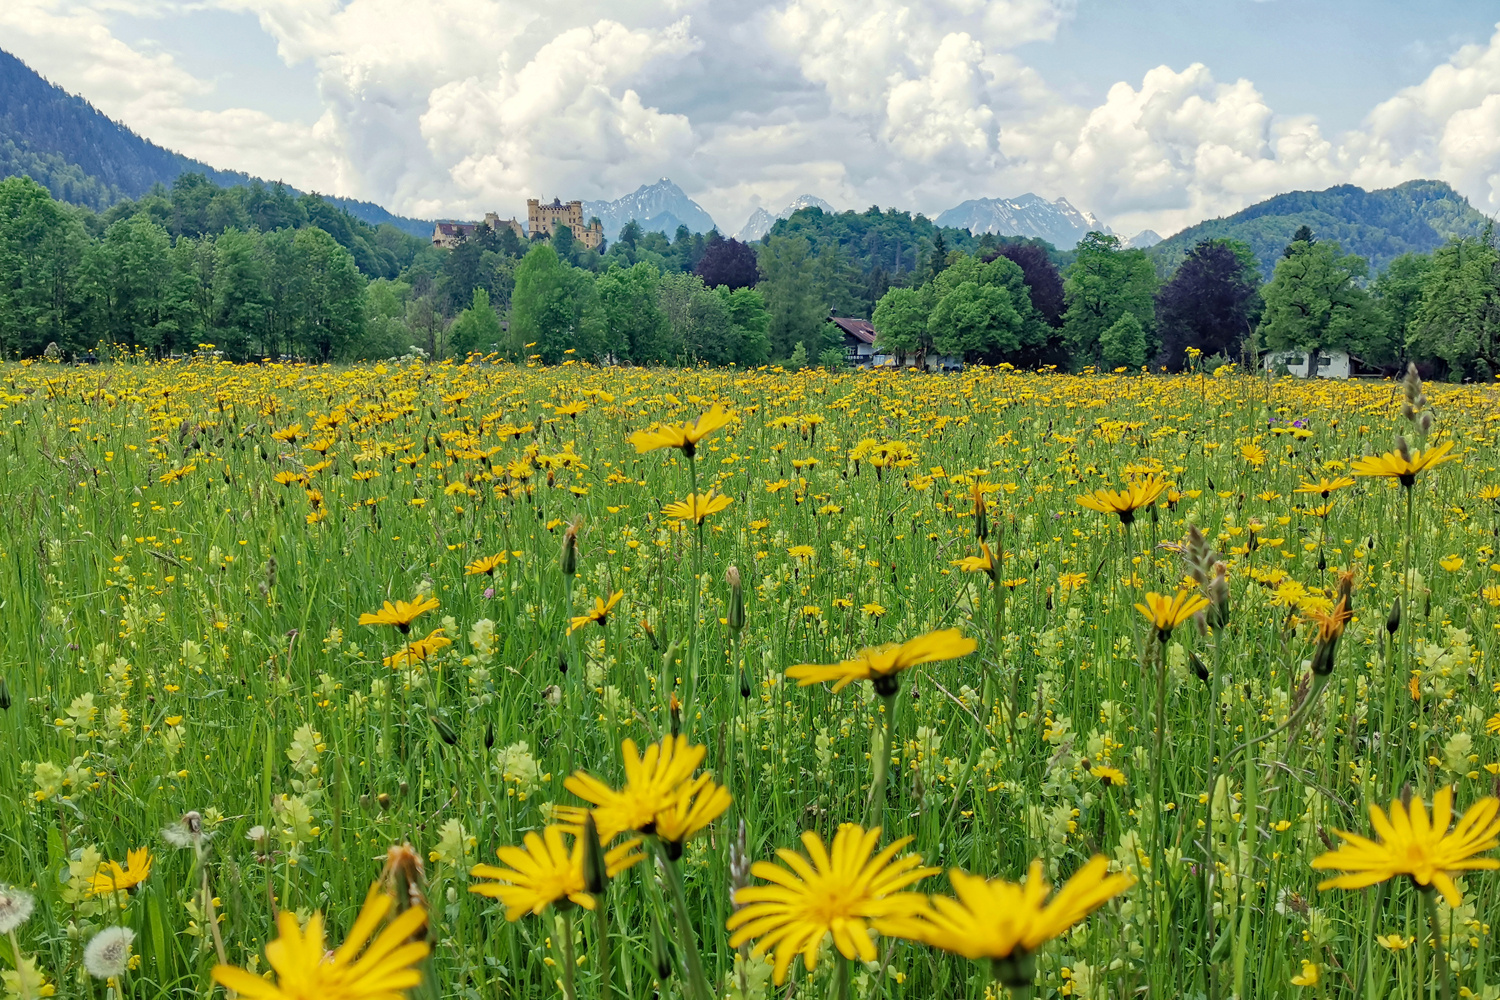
(1331, 364)
(859, 348)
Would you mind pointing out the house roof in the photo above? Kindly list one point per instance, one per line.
(455, 228)
(860, 329)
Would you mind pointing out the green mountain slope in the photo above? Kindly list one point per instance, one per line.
(1377, 225)
(83, 157)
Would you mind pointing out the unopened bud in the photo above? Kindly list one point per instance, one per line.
(1393, 620)
(568, 559)
(489, 735)
(595, 874)
(384, 799)
(661, 957)
(675, 709)
(650, 635)
(1199, 670)
(736, 616)
(4, 695)
(562, 661)
(445, 732)
(981, 515)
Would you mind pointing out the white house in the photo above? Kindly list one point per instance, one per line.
(1331, 364)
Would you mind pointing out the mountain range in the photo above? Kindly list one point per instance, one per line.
(1378, 225)
(659, 207)
(761, 221)
(1057, 222)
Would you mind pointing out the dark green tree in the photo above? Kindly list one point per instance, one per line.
(1315, 302)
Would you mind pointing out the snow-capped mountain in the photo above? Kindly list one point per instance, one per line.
(761, 221)
(1143, 239)
(662, 207)
(1057, 222)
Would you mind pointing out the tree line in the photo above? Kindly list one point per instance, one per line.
(1109, 307)
(259, 272)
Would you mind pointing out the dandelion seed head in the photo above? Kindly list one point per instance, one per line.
(108, 954)
(15, 908)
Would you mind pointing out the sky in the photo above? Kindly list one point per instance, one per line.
(1148, 113)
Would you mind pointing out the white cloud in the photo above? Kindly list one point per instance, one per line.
(454, 107)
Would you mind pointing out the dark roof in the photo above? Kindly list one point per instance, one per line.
(455, 228)
(860, 329)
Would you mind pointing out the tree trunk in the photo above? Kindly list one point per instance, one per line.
(1312, 363)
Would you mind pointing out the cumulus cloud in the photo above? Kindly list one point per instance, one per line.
(455, 107)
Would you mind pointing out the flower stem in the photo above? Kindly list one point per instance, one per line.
(875, 807)
(697, 985)
(606, 966)
(839, 990)
(569, 988)
(15, 952)
(1439, 953)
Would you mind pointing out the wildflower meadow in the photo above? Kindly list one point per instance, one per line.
(503, 681)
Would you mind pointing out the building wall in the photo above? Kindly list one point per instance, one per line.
(544, 218)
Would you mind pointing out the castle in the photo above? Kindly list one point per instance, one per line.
(541, 220)
(447, 235)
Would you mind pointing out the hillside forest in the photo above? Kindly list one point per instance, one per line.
(260, 272)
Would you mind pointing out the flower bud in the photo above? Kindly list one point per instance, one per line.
(1393, 620)
(981, 515)
(445, 732)
(4, 695)
(661, 956)
(736, 614)
(568, 559)
(595, 874)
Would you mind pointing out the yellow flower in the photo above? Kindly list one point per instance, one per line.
(654, 781)
(1309, 976)
(112, 878)
(305, 969)
(1394, 942)
(1402, 464)
(696, 507)
(696, 806)
(598, 613)
(1109, 775)
(872, 609)
(486, 565)
(822, 892)
(1417, 846)
(1139, 493)
(1000, 920)
(800, 551)
(1254, 454)
(1452, 563)
(418, 650)
(882, 664)
(1490, 493)
(1166, 613)
(684, 436)
(1324, 485)
(401, 614)
(1071, 581)
(982, 563)
(546, 872)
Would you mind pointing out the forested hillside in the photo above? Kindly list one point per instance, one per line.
(83, 157)
(1415, 217)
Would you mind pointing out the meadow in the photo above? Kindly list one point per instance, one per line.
(1191, 626)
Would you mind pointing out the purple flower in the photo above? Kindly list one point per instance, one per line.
(489, 592)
